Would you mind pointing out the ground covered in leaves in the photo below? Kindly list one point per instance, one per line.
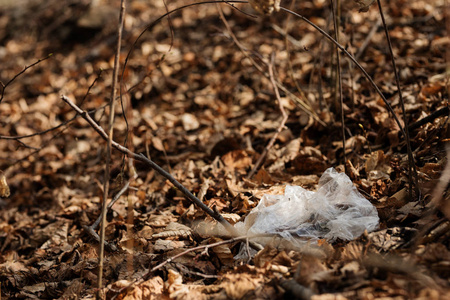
(198, 100)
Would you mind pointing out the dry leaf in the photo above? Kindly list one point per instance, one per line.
(189, 122)
(174, 229)
(223, 252)
(167, 245)
(265, 6)
(237, 159)
(4, 188)
(239, 286)
(158, 143)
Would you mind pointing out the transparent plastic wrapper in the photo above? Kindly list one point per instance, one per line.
(336, 211)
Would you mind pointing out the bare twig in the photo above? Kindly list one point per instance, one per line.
(374, 85)
(206, 247)
(439, 189)
(155, 22)
(367, 39)
(114, 200)
(151, 164)
(109, 143)
(91, 229)
(412, 172)
(280, 128)
(20, 73)
(19, 137)
(169, 260)
(303, 105)
(339, 77)
(439, 113)
(111, 247)
(288, 38)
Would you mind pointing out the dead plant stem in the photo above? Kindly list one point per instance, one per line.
(4, 86)
(367, 40)
(339, 74)
(153, 165)
(108, 146)
(374, 85)
(283, 120)
(412, 172)
(170, 259)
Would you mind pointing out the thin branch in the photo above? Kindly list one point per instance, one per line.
(439, 113)
(20, 73)
(109, 142)
(280, 128)
(367, 40)
(18, 138)
(206, 247)
(154, 23)
(91, 229)
(170, 259)
(153, 165)
(303, 104)
(412, 171)
(376, 88)
(339, 76)
(114, 200)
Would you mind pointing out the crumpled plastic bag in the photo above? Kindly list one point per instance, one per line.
(336, 211)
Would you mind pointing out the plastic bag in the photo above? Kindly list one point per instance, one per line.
(336, 211)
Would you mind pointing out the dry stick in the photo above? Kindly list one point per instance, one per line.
(169, 260)
(114, 200)
(20, 73)
(108, 147)
(367, 40)
(154, 23)
(91, 229)
(339, 77)
(304, 105)
(151, 164)
(19, 137)
(288, 38)
(157, 267)
(412, 172)
(439, 189)
(130, 219)
(275, 87)
(283, 121)
(336, 24)
(376, 88)
(439, 113)
(403, 130)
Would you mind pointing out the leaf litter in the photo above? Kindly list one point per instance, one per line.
(198, 107)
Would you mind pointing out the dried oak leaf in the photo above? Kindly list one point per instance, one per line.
(174, 229)
(178, 290)
(150, 289)
(4, 188)
(265, 6)
(241, 286)
(237, 159)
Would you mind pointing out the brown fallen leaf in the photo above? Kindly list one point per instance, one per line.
(4, 188)
(265, 6)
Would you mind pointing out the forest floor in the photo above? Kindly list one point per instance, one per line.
(198, 99)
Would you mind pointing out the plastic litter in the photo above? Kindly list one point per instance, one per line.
(336, 211)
